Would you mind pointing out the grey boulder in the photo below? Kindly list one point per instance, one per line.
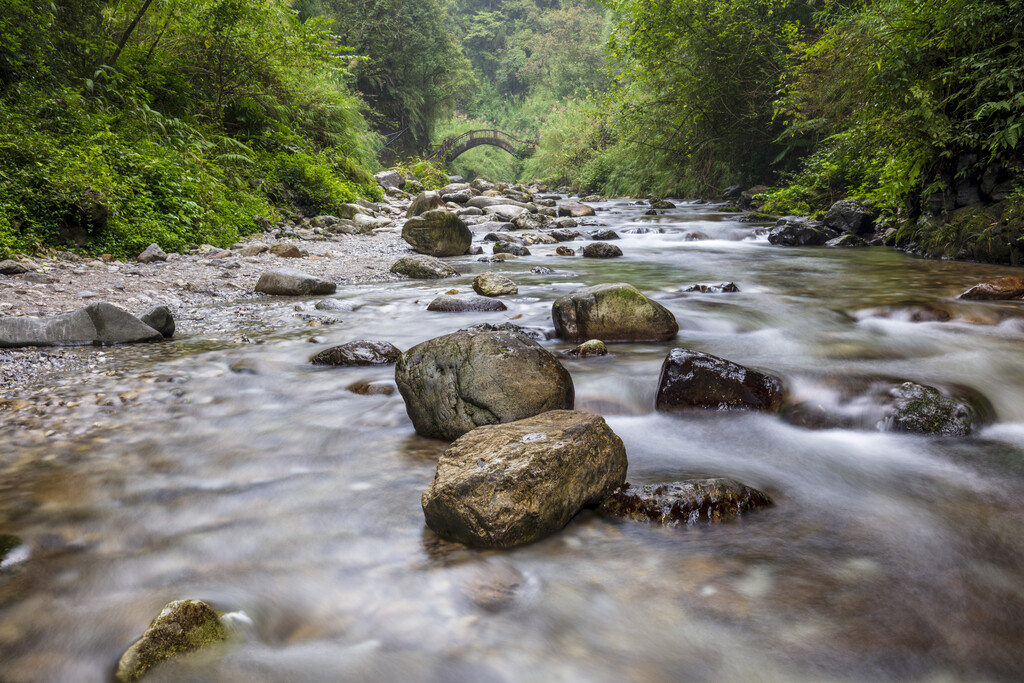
(465, 303)
(457, 382)
(98, 323)
(511, 484)
(290, 282)
(422, 267)
(614, 312)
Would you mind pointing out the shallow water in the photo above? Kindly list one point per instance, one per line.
(277, 493)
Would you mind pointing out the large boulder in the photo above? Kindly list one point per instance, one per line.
(465, 303)
(98, 323)
(683, 502)
(575, 210)
(389, 179)
(691, 379)
(997, 289)
(438, 233)
(792, 233)
(182, 626)
(511, 484)
(290, 282)
(425, 201)
(362, 352)
(849, 215)
(420, 267)
(492, 284)
(460, 381)
(612, 312)
(920, 409)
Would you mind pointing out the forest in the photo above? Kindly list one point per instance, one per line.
(132, 121)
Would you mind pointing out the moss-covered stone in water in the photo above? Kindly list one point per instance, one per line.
(182, 626)
(920, 409)
(990, 234)
(7, 544)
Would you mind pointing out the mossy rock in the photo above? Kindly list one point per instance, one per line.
(182, 626)
(7, 544)
(612, 313)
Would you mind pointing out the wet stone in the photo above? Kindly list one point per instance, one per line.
(492, 284)
(565, 251)
(683, 502)
(691, 379)
(510, 248)
(588, 349)
(604, 235)
(422, 267)
(1001, 288)
(720, 288)
(364, 388)
(358, 353)
(183, 626)
(461, 303)
(920, 409)
(601, 250)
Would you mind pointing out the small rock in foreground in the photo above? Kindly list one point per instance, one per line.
(507, 485)
(683, 502)
(289, 282)
(183, 626)
(362, 352)
(690, 379)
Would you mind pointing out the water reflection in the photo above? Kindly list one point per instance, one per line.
(269, 487)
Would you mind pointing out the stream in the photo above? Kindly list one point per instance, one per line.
(222, 466)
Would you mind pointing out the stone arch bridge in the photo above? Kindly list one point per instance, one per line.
(455, 145)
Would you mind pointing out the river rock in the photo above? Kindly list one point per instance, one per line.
(507, 485)
(422, 267)
(254, 249)
(920, 409)
(575, 210)
(601, 250)
(290, 282)
(510, 248)
(565, 251)
(460, 381)
(286, 251)
(564, 235)
(690, 379)
(485, 202)
(438, 233)
(465, 303)
(846, 241)
(425, 201)
(160, 319)
(152, 253)
(604, 235)
(612, 312)
(389, 179)
(683, 502)
(364, 388)
(695, 236)
(797, 234)
(8, 267)
(98, 323)
(492, 284)
(588, 349)
(460, 197)
(997, 289)
(506, 212)
(362, 352)
(183, 626)
(663, 204)
(849, 215)
(720, 288)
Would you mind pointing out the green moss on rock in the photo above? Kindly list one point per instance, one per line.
(182, 626)
(990, 234)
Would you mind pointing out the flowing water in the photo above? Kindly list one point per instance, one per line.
(273, 492)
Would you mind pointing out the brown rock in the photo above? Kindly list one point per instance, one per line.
(994, 290)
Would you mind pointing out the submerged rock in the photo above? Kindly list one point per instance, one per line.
(98, 323)
(289, 282)
(920, 409)
(612, 312)
(720, 288)
(421, 267)
(690, 379)
(183, 626)
(683, 502)
(364, 388)
(460, 381)
(437, 233)
(491, 284)
(849, 240)
(362, 352)
(588, 349)
(462, 303)
(511, 484)
(1000, 288)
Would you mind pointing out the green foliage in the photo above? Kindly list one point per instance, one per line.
(431, 174)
